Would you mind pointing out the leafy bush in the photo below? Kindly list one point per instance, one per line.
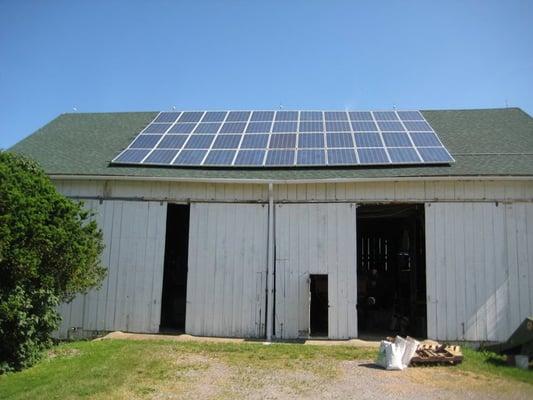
(49, 251)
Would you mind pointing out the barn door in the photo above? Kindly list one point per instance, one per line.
(227, 270)
(315, 239)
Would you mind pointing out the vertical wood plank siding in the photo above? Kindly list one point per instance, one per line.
(479, 269)
(315, 239)
(130, 297)
(227, 270)
(479, 236)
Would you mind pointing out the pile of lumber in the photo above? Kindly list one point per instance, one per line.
(429, 353)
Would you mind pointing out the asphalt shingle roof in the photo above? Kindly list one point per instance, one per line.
(488, 142)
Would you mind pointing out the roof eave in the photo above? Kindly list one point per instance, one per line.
(292, 181)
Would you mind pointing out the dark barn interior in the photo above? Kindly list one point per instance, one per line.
(319, 305)
(391, 289)
(174, 297)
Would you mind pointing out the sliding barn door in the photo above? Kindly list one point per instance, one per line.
(315, 239)
(227, 270)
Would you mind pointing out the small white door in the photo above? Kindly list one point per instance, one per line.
(315, 239)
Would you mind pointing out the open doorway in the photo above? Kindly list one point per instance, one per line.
(173, 304)
(318, 293)
(391, 271)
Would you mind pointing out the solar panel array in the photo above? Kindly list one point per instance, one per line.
(286, 138)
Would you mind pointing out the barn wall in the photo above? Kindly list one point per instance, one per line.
(315, 239)
(468, 190)
(479, 259)
(226, 294)
(479, 269)
(130, 296)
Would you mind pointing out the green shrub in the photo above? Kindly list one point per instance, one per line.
(49, 251)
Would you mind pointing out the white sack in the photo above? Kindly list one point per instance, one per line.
(410, 348)
(395, 353)
(381, 359)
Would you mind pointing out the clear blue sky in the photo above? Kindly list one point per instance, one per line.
(152, 55)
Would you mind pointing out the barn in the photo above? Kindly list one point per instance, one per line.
(334, 225)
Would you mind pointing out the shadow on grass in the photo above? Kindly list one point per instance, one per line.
(497, 362)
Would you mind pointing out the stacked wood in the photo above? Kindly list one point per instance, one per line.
(435, 353)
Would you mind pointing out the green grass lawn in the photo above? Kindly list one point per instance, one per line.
(125, 369)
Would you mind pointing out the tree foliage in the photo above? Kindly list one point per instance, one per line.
(49, 251)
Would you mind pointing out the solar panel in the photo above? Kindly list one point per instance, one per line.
(145, 141)
(396, 139)
(262, 116)
(161, 156)
(372, 156)
(311, 157)
(286, 126)
(214, 116)
(235, 116)
(311, 140)
(200, 141)
(220, 157)
(402, 155)
(233, 127)
(368, 139)
(129, 156)
(259, 127)
(364, 126)
(311, 126)
(172, 141)
(338, 126)
(283, 141)
(255, 141)
(250, 157)
(167, 117)
(311, 116)
(227, 142)
(285, 138)
(342, 157)
(209, 127)
(336, 116)
(190, 157)
(157, 128)
(280, 157)
(194, 116)
(360, 116)
(339, 139)
(182, 128)
(286, 116)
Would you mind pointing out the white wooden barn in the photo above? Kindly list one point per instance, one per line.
(440, 251)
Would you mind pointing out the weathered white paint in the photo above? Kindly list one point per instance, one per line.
(226, 281)
(479, 269)
(479, 258)
(130, 297)
(315, 239)
(401, 191)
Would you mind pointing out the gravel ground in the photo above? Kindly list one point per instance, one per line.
(204, 377)
(212, 379)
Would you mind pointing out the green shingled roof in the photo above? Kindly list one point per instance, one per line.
(492, 142)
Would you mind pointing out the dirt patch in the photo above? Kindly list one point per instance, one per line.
(62, 352)
(190, 338)
(198, 376)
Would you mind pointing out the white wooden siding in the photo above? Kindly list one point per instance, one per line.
(315, 239)
(414, 191)
(130, 297)
(226, 284)
(479, 269)
(479, 257)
